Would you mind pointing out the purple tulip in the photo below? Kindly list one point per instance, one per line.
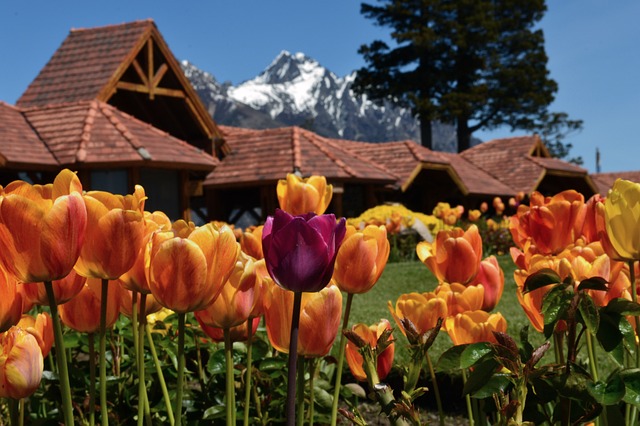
(300, 251)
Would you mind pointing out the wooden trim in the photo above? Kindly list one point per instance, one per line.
(140, 72)
(133, 87)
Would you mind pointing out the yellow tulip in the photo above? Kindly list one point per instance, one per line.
(361, 259)
(42, 228)
(115, 234)
(460, 298)
(319, 320)
(422, 309)
(237, 298)
(475, 327)
(186, 274)
(10, 302)
(41, 328)
(21, 364)
(300, 196)
(622, 219)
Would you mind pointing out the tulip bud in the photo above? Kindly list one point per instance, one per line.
(299, 196)
(369, 335)
(21, 364)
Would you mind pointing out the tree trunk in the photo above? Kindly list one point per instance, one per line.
(426, 138)
(464, 134)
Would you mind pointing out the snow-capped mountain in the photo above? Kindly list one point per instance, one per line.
(296, 90)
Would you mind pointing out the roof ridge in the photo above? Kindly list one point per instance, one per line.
(85, 136)
(107, 111)
(362, 158)
(22, 112)
(313, 138)
(134, 22)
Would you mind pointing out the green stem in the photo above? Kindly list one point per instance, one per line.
(467, 398)
(61, 356)
(104, 412)
(343, 344)
(14, 413)
(290, 409)
(92, 379)
(21, 410)
(181, 361)
(312, 393)
(300, 392)
(247, 390)
(436, 389)
(231, 393)
(557, 347)
(163, 384)
(384, 393)
(140, 356)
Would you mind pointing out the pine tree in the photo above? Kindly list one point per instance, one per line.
(478, 64)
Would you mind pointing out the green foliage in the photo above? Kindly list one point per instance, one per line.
(480, 64)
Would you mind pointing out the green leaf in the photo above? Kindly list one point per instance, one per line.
(217, 363)
(450, 359)
(496, 385)
(542, 278)
(631, 379)
(480, 376)
(593, 283)
(623, 307)
(214, 412)
(322, 397)
(589, 312)
(609, 334)
(474, 353)
(555, 303)
(608, 393)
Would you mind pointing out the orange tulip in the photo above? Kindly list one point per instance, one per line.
(454, 256)
(370, 335)
(422, 309)
(251, 242)
(64, 289)
(135, 279)
(361, 259)
(151, 305)
(475, 327)
(239, 333)
(237, 298)
(115, 234)
(186, 274)
(460, 298)
(42, 228)
(552, 223)
(82, 313)
(299, 196)
(319, 320)
(41, 328)
(491, 277)
(10, 302)
(21, 364)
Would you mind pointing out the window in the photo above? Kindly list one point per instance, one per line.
(114, 181)
(162, 188)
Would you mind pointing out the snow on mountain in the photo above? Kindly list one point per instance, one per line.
(296, 90)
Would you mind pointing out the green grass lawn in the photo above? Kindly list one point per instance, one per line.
(407, 277)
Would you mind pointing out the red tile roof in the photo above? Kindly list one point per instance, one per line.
(20, 146)
(519, 162)
(475, 180)
(84, 64)
(93, 132)
(604, 181)
(265, 156)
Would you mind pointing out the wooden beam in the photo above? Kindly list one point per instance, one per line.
(133, 87)
(140, 72)
(158, 76)
(150, 65)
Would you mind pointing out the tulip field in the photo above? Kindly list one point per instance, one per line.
(517, 313)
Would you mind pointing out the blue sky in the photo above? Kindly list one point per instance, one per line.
(592, 47)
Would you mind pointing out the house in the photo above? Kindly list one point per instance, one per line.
(113, 104)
